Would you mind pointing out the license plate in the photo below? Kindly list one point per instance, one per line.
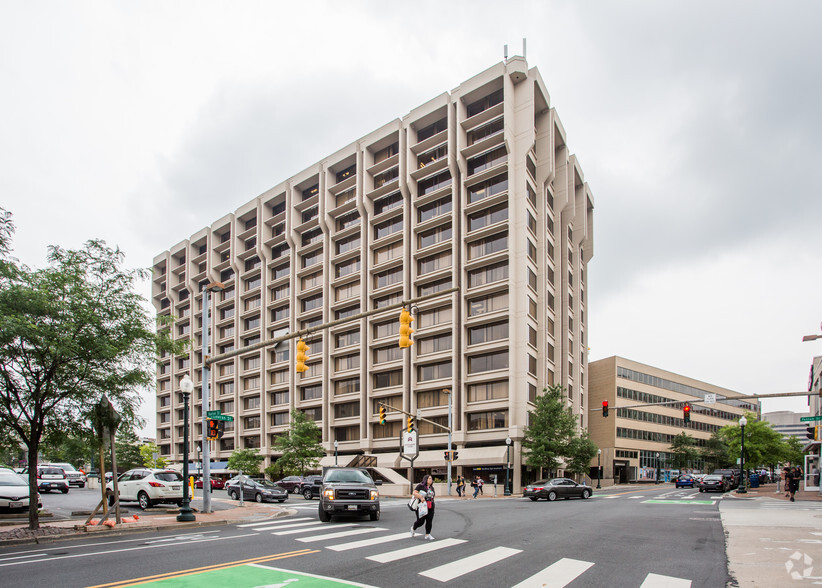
(352, 507)
(15, 505)
(175, 487)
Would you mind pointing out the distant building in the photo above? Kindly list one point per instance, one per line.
(788, 424)
(635, 438)
(475, 189)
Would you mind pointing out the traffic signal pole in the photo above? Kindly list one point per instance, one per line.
(206, 444)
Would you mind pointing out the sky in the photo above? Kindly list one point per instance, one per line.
(697, 124)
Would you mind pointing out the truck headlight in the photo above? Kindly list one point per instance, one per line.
(328, 493)
(374, 494)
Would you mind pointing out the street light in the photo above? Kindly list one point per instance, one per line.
(186, 514)
(336, 444)
(507, 464)
(205, 315)
(657, 469)
(741, 490)
(599, 470)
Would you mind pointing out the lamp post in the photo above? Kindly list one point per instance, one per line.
(741, 490)
(657, 469)
(507, 464)
(336, 444)
(205, 314)
(599, 470)
(186, 514)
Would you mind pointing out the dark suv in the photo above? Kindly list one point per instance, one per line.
(349, 491)
(311, 487)
(291, 483)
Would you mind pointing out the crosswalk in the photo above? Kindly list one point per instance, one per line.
(380, 545)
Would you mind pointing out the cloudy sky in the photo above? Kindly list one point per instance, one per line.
(698, 126)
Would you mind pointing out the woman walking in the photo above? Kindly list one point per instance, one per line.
(424, 492)
(460, 486)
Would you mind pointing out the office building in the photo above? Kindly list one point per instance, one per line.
(476, 190)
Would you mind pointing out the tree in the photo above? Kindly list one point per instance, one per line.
(553, 426)
(127, 448)
(683, 451)
(74, 448)
(150, 454)
(69, 334)
(715, 453)
(246, 461)
(300, 446)
(791, 452)
(763, 444)
(580, 452)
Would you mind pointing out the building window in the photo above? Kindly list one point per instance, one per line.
(312, 236)
(434, 236)
(279, 418)
(491, 187)
(348, 172)
(279, 251)
(431, 156)
(487, 160)
(389, 252)
(252, 323)
(433, 129)
(226, 388)
(347, 291)
(252, 383)
(387, 203)
(432, 398)
(349, 386)
(347, 267)
(348, 244)
(387, 176)
(388, 277)
(488, 246)
(346, 410)
(278, 314)
(346, 312)
(434, 316)
(280, 397)
(311, 192)
(488, 275)
(434, 371)
(280, 272)
(434, 263)
(485, 103)
(226, 332)
(347, 339)
(312, 258)
(433, 183)
(385, 354)
(315, 414)
(388, 227)
(386, 329)
(312, 303)
(252, 263)
(487, 333)
(434, 287)
(252, 303)
(388, 379)
(496, 419)
(311, 392)
(312, 280)
(251, 403)
(485, 131)
(387, 152)
(347, 362)
(496, 390)
(433, 344)
(488, 362)
(226, 313)
(488, 217)
(345, 197)
(434, 209)
(310, 213)
(351, 219)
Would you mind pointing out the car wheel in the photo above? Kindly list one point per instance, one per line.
(144, 500)
(64, 490)
(307, 493)
(374, 516)
(82, 485)
(552, 496)
(295, 490)
(258, 497)
(281, 500)
(533, 498)
(233, 495)
(586, 493)
(324, 516)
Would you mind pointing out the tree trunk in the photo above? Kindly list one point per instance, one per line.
(34, 511)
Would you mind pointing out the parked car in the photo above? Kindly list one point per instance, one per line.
(74, 476)
(685, 481)
(147, 487)
(291, 483)
(216, 483)
(731, 475)
(312, 486)
(349, 491)
(50, 478)
(259, 490)
(714, 482)
(556, 488)
(14, 492)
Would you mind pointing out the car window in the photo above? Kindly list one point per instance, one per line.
(12, 480)
(170, 476)
(541, 482)
(350, 476)
(51, 471)
(267, 484)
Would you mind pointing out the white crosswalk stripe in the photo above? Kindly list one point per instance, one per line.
(368, 542)
(419, 549)
(279, 522)
(339, 534)
(558, 574)
(659, 581)
(472, 563)
(307, 528)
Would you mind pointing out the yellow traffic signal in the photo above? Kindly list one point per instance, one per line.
(410, 424)
(405, 328)
(382, 415)
(302, 356)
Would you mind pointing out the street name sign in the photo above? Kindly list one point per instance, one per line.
(221, 417)
(813, 418)
(710, 399)
(213, 413)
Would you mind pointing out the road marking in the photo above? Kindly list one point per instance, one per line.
(636, 497)
(359, 531)
(284, 520)
(45, 554)
(677, 502)
(368, 542)
(414, 551)
(289, 526)
(659, 581)
(558, 574)
(466, 565)
(305, 528)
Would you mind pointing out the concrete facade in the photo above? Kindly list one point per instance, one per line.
(475, 189)
(636, 440)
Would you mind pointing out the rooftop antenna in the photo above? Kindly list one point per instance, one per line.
(505, 52)
(524, 56)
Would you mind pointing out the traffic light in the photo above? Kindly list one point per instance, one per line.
(302, 356)
(454, 455)
(447, 456)
(686, 413)
(605, 408)
(405, 328)
(410, 424)
(811, 433)
(213, 429)
(382, 415)
(220, 429)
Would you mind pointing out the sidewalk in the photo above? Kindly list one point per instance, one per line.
(60, 529)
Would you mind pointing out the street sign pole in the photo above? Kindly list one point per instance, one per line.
(206, 314)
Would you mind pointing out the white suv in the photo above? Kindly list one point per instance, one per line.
(51, 478)
(147, 487)
(74, 476)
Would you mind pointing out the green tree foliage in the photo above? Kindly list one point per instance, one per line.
(150, 455)
(791, 452)
(683, 451)
(127, 448)
(246, 461)
(75, 448)
(300, 447)
(579, 454)
(763, 444)
(715, 454)
(69, 334)
(550, 436)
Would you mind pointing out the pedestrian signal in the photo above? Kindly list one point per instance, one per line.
(454, 455)
(447, 456)
(213, 429)
(405, 328)
(302, 356)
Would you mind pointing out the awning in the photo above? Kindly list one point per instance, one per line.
(810, 445)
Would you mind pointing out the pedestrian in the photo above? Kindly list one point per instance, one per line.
(460, 486)
(778, 481)
(786, 481)
(794, 485)
(481, 483)
(424, 492)
(475, 485)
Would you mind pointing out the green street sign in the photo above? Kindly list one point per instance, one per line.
(213, 413)
(222, 417)
(813, 418)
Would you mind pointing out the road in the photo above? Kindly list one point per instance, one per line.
(644, 538)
